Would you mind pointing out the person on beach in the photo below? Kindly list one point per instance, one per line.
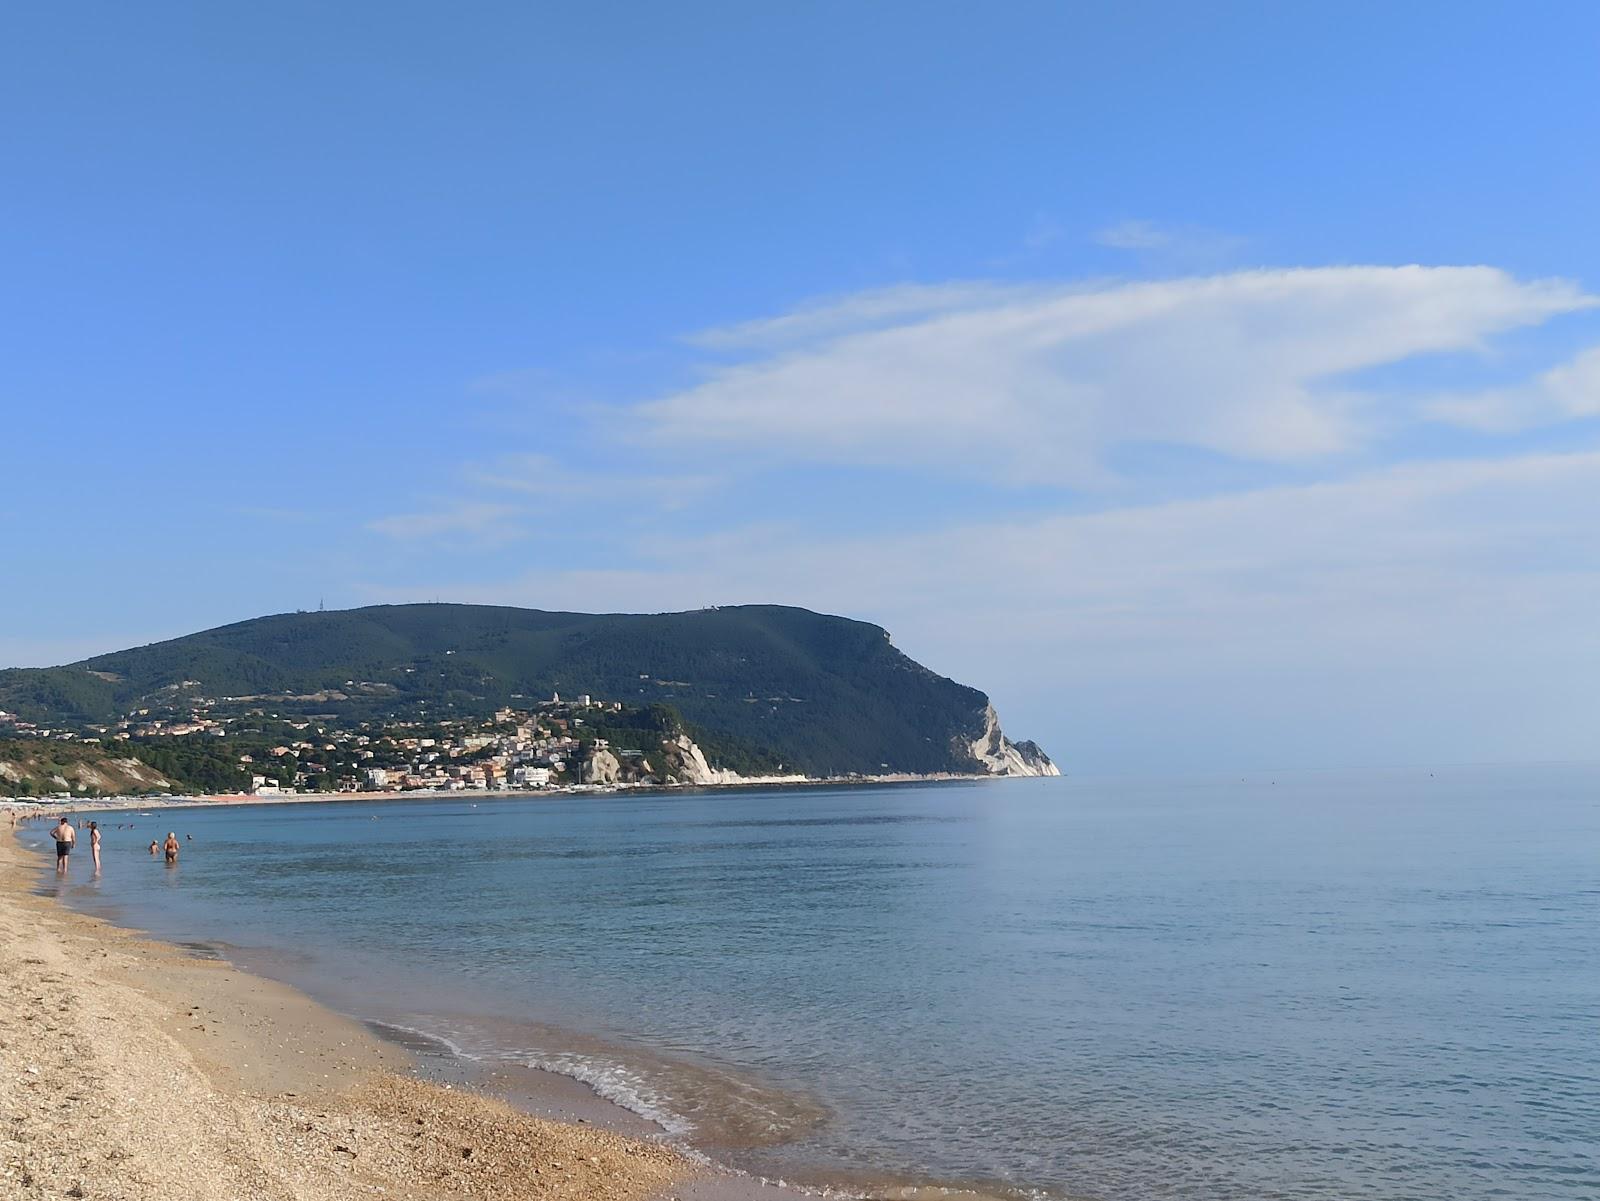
(94, 845)
(171, 847)
(65, 837)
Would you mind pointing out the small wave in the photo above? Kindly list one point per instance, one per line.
(613, 1082)
(620, 1085)
(421, 1040)
(685, 1099)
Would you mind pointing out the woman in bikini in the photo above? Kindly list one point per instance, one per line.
(171, 848)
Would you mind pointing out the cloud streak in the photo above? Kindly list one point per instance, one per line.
(1569, 392)
(1134, 235)
(547, 478)
(1189, 245)
(479, 523)
(1042, 385)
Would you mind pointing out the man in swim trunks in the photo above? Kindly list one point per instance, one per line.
(65, 837)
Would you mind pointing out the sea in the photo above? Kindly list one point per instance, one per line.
(1369, 986)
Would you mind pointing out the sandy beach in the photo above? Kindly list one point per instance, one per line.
(131, 1070)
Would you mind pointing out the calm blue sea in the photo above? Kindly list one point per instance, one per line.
(1377, 986)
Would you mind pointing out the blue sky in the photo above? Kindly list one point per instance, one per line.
(1217, 386)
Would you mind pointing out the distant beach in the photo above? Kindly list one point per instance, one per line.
(52, 806)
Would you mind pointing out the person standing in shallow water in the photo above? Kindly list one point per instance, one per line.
(94, 845)
(171, 848)
(155, 848)
(65, 837)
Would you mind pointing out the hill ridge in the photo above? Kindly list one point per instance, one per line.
(830, 695)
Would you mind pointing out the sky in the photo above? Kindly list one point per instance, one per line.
(1216, 386)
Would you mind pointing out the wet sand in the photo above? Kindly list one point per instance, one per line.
(129, 1069)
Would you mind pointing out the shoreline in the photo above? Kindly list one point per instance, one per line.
(133, 1069)
(23, 807)
(215, 1019)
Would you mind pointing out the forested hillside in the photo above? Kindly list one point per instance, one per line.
(36, 768)
(821, 694)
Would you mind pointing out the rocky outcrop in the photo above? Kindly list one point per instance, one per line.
(997, 755)
(681, 761)
(686, 763)
(601, 767)
(1033, 757)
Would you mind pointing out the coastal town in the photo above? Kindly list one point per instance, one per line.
(584, 742)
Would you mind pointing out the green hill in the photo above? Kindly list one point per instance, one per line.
(826, 695)
(41, 768)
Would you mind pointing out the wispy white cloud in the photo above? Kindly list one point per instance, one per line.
(1134, 235)
(546, 477)
(1192, 247)
(481, 523)
(1568, 392)
(1038, 384)
(859, 311)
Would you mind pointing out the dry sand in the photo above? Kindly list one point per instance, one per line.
(129, 1070)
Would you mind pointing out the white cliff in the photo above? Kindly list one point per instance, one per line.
(687, 763)
(681, 762)
(602, 767)
(684, 763)
(999, 756)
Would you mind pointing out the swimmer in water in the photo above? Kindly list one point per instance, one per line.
(66, 838)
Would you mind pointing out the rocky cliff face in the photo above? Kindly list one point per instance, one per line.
(997, 755)
(686, 763)
(602, 767)
(683, 762)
